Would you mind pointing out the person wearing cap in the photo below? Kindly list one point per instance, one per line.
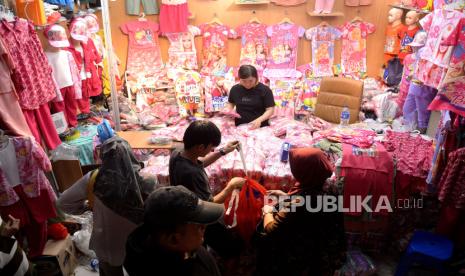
(186, 168)
(415, 109)
(169, 242)
(65, 73)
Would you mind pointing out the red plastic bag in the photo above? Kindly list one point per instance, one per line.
(244, 209)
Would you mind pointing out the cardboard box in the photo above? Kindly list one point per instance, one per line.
(58, 258)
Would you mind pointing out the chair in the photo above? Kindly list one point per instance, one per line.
(335, 93)
(427, 249)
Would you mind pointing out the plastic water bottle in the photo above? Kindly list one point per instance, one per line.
(345, 116)
(285, 152)
(94, 265)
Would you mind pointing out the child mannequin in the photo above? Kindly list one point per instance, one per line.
(407, 33)
(65, 73)
(419, 96)
(392, 46)
(324, 6)
(87, 58)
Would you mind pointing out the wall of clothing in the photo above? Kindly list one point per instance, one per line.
(233, 15)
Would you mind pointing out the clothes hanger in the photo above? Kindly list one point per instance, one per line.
(254, 20)
(215, 20)
(142, 17)
(357, 19)
(286, 20)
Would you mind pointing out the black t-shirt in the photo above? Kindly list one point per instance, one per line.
(141, 259)
(251, 103)
(190, 175)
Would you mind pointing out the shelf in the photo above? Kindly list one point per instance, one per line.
(239, 2)
(409, 8)
(333, 14)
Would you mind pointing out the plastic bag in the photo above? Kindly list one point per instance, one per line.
(65, 152)
(246, 209)
(357, 264)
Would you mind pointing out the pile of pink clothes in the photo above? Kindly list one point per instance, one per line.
(261, 148)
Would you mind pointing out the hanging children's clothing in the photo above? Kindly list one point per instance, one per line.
(282, 58)
(25, 192)
(182, 52)
(284, 96)
(32, 78)
(392, 43)
(174, 16)
(322, 38)
(407, 73)
(406, 37)
(215, 47)
(11, 118)
(133, 7)
(442, 26)
(353, 56)
(144, 55)
(68, 78)
(254, 45)
(451, 91)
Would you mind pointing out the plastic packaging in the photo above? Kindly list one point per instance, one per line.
(65, 152)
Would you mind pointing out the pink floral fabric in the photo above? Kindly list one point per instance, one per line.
(32, 163)
(442, 28)
(32, 75)
(409, 62)
(357, 137)
(413, 153)
(354, 45)
(254, 44)
(215, 46)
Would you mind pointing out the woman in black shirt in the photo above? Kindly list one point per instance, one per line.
(253, 100)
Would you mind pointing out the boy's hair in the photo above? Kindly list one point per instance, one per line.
(201, 133)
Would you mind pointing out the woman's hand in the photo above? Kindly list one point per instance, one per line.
(255, 124)
(9, 227)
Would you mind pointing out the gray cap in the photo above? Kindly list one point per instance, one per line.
(177, 205)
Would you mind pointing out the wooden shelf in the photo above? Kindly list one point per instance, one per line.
(409, 8)
(333, 14)
(238, 2)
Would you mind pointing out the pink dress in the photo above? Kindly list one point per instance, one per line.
(451, 94)
(322, 38)
(354, 47)
(144, 55)
(215, 47)
(174, 16)
(282, 59)
(254, 45)
(442, 27)
(182, 52)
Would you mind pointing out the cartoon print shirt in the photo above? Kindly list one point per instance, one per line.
(451, 94)
(441, 25)
(254, 44)
(182, 52)
(284, 43)
(322, 38)
(353, 56)
(392, 44)
(144, 49)
(406, 37)
(215, 43)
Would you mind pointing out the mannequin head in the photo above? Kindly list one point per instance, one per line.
(395, 16)
(411, 19)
